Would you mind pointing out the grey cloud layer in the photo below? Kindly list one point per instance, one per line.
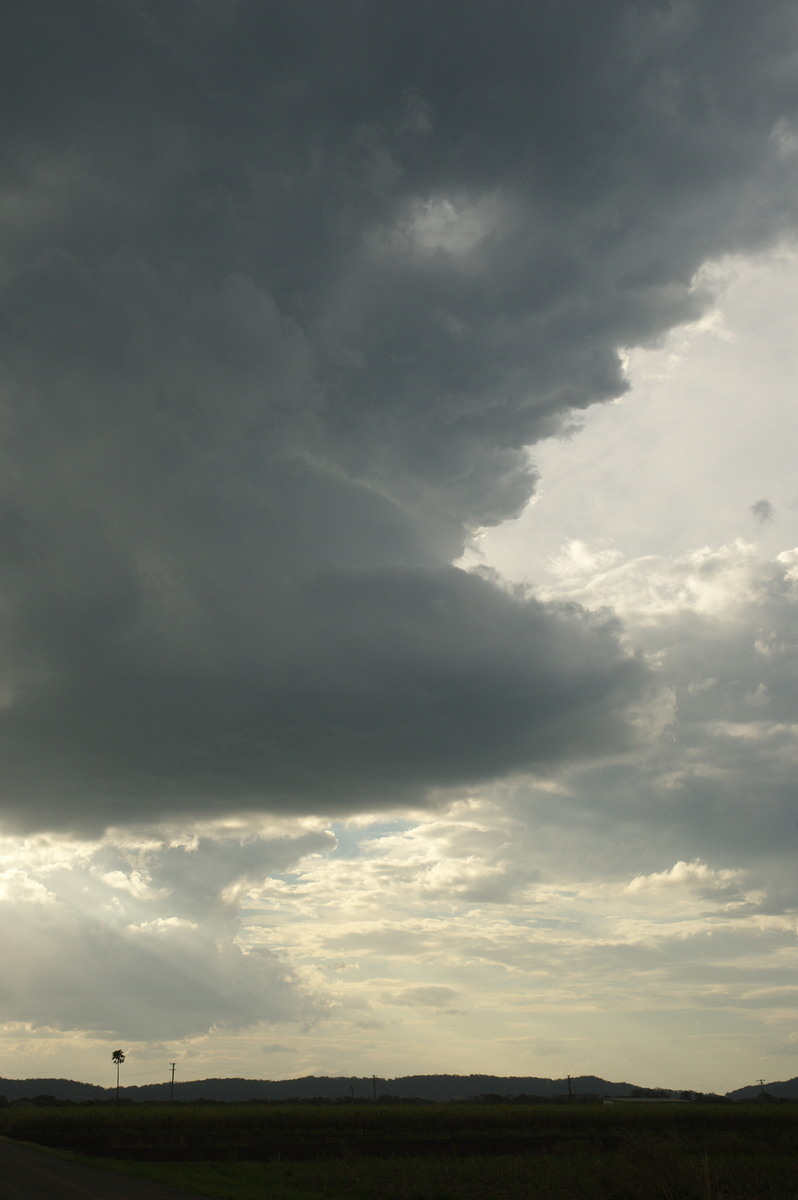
(714, 776)
(287, 288)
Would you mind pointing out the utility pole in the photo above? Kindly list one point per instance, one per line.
(570, 1093)
(172, 1084)
(761, 1083)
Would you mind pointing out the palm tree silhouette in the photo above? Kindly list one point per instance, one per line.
(119, 1057)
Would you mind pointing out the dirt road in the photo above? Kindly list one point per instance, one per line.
(27, 1174)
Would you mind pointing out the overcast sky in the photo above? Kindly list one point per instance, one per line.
(399, 538)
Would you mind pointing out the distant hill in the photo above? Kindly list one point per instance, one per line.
(787, 1089)
(62, 1089)
(408, 1087)
(312, 1087)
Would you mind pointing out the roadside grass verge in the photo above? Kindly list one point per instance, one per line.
(642, 1172)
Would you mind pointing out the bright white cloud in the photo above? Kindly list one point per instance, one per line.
(684, 875)
(116, 953)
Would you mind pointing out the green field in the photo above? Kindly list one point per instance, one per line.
(435, 1152)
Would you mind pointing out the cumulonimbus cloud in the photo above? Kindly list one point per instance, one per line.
(287, 291)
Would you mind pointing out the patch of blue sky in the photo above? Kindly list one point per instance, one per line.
(351, 839)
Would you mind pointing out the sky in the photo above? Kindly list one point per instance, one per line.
(399, 539)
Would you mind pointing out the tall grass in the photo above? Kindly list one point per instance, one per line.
(578, 1152)
(378, 1120)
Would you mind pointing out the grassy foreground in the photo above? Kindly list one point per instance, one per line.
(435, 1152)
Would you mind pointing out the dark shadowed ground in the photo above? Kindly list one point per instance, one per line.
(27, 1174)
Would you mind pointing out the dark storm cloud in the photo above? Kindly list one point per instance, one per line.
(286, 290)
